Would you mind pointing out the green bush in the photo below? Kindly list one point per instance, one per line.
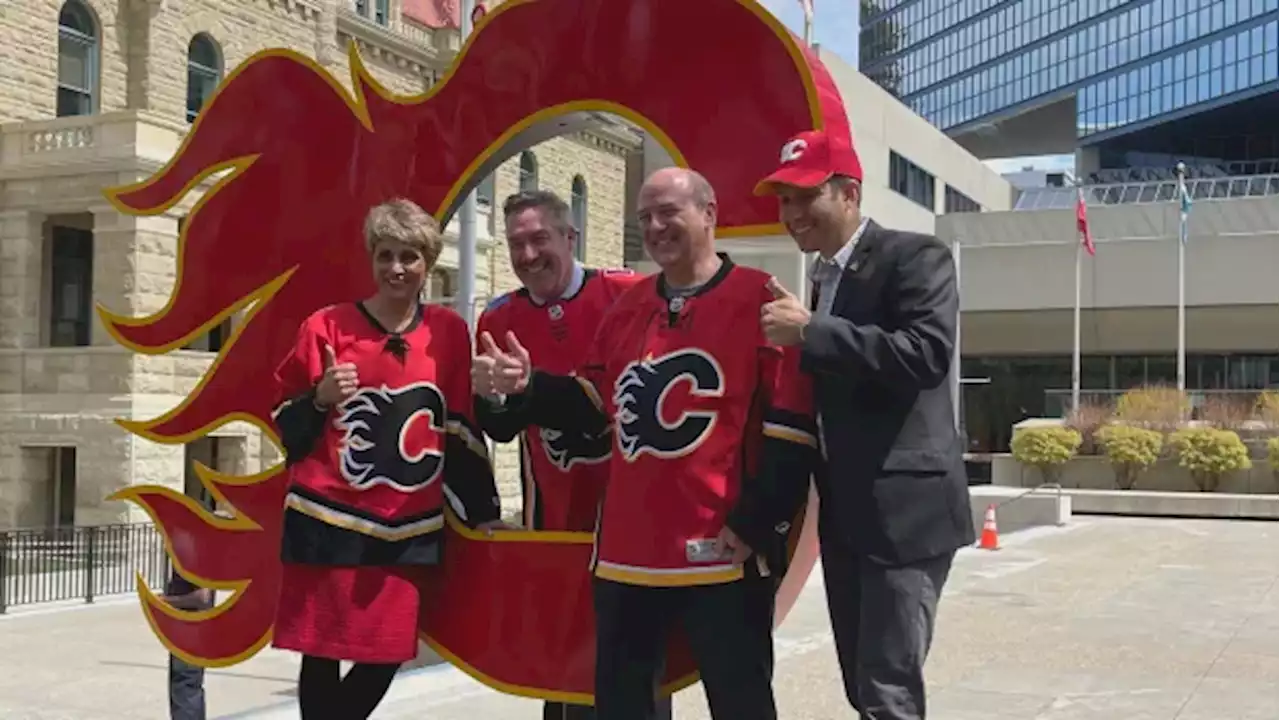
(1130, 451)
(1268, 409)
(1273, 453)
(1209, 454)
(1047, 448)
(1155, 407)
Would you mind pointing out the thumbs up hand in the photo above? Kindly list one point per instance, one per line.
(500, 372)
(512, 368)
(784, 318)
(339, 381)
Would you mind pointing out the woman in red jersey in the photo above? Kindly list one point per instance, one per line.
(374, 408)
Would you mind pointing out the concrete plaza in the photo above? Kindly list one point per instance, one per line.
(1131, 618)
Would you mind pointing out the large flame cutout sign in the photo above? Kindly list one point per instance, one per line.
(720, 83)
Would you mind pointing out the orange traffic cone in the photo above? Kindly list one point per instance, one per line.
(990, 536)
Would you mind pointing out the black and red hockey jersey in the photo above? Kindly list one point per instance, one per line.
(700, 405)
(369, 477)
(562, 473)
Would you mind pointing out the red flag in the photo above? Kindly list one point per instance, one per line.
(1082, 222)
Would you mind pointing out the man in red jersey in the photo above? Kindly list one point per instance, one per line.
(557, 311)
(701, 406)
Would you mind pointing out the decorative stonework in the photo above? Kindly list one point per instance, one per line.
(54, 170)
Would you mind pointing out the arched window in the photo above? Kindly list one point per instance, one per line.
(528, 171)
(204, 70)
(441, 284)
(77, 60)
(381, 10)
(578, 207)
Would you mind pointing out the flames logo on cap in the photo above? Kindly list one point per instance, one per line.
(793, 150)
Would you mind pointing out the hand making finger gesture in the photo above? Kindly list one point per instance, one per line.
(784, 319)
(501, 372)
(339, 382)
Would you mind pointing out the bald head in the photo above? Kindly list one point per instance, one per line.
(677, 212)
(684, 182)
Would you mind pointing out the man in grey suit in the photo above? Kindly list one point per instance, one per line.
(878, 341)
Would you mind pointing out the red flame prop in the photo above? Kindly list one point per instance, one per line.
(720, 83)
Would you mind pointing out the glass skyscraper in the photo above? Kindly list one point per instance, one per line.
(1145, 79)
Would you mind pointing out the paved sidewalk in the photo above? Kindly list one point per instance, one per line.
(1106, 618)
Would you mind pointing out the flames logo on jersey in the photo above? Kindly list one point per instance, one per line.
(565, 449)
(392, 436)
(641, 394)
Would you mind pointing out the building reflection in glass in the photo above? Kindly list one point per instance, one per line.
(1027, 387)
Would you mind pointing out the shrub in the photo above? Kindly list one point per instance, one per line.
(1226, 412)
(1273, 454)
(1086, 419)
(1155, 407)
(1268, 409)
(1209, 454)
(1047, 448)
(1130, 450)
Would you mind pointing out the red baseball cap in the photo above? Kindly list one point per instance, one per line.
(810, 159)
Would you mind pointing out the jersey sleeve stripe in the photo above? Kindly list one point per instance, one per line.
(460, 428)
(779, 431)
(590, 390)
(363, 525)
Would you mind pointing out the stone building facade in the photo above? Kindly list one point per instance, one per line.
(100, 94)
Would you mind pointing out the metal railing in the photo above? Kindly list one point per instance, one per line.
(1149, 192)
(1057, 403)
(78, 563)
(1055, 487)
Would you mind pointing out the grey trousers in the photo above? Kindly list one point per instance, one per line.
(883, 620)
(186, 690)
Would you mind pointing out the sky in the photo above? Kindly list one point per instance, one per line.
(835, 27)
(835, 24)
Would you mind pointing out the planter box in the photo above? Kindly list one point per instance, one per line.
(1092, 472)
(1150, 503)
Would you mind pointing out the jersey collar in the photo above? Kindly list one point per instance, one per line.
(575, 285)
(726, 266)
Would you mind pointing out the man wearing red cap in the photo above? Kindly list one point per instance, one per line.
(878, 341)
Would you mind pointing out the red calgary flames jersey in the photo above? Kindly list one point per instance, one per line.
(691, 387)
(369, 478)
(562, 473)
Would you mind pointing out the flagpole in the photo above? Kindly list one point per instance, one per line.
(1075, 343)
(1181, 171)
(956, 362)
(807, 6)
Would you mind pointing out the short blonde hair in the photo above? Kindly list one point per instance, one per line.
(404, 221)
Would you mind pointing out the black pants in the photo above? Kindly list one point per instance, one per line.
(730, 631)
(324, 695)
(883, 618)
(186, 690)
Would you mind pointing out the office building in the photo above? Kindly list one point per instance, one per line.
(1131, 88)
